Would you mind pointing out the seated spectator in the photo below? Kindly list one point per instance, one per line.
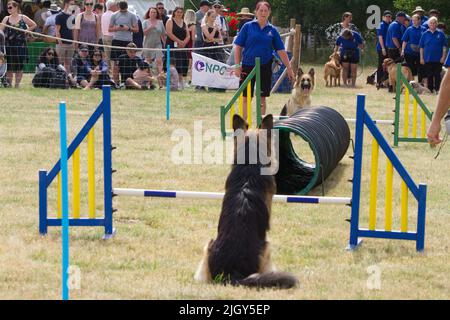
(49, 25)
(143, 77)
(98, 70)
(162, 78)
(50, 73)
(128, 64)
(80, 64)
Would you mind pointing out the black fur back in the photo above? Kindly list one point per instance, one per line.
(243, 224)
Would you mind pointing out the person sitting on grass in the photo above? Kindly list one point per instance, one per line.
(80, 75)
(98, 69)
(143, 76)
(47, 68)
(162, 78)
(128, 64)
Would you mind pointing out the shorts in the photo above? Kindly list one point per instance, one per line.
(266, 78)
(64, 51)
(107, 40)
(350, 56)
(116, 53)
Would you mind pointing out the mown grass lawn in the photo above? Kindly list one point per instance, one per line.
(159, 242)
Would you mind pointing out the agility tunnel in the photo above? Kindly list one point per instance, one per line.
(359, 215)
(327, 134)
(410, 120)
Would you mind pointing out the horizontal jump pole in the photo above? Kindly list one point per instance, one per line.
(388, 122)
(220, 195)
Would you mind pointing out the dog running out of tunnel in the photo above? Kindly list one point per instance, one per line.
(328, 136)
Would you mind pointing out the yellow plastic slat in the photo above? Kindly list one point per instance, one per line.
(406, 115)
(76, 183)
(91, 174)
(414, 118)
(423, 124)
(249, 104)
(59, 197)
(373, 186)
(389, 193)
(404, 211)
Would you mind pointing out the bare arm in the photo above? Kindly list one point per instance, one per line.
(381, 40)
(396, 42)
(443, 104)
(30, 23)
(285, 59)
(169, 31)
(2, 26)
(422, 60)
(58, 33)
(237, 59)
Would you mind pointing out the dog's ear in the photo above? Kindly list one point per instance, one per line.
(311, 72)
(267, 122)
(239, 123)
(284, 111)
(299, 72)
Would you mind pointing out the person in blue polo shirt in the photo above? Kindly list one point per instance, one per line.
(410, 46)
(259, 38)
(419, 11)
(447, 62)
(349, 44)
(394, 36)
(433, 45)
(431, 13)
(381, 44)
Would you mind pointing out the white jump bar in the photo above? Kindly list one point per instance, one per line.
(219, 195)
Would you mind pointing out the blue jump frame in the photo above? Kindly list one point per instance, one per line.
(362, 120)
(45, 179)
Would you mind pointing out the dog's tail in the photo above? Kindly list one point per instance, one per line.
(274, 279)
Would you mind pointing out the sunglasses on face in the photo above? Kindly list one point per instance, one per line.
(160, 8)
(89, 4)
(50, 54)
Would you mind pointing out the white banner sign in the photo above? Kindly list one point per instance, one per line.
(208, 72)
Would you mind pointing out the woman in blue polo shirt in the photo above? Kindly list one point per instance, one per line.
(349, 44)
(259, 38)
(410, 46)
(381, 44)
(432, 54)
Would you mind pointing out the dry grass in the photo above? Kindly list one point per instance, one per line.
(159, 242)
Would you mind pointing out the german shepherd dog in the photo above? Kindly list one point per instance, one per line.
(301, 93)
(240, 254)
(390, 67)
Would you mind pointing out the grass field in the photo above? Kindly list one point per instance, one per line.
(159, 242)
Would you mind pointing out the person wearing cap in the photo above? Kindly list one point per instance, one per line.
(220, 21)
(442, 107)
(79, 67)
(258, 39)
(432, 13)
(128, 64)
(410, 47)
(419, 11)
(49, 26)
(381, 44)
(433, 44)
(394, 37)
(334, 31)
(244, 16)
(199, 15)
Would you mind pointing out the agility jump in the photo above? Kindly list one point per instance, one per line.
(362, 120)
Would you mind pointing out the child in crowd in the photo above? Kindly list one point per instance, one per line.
(143, 76)
(162, 78)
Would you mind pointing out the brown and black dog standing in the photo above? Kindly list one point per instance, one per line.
(301, 93)
(240, 254)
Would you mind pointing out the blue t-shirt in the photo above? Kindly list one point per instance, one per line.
(423, 20)
(258, 42)
(447, 62)
(433, 44)
(382, 31)
(394, 31)
(351, 44)
(65, 31)
(412, 36)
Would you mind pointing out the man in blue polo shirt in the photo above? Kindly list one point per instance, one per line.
(394, 36)
(410, 46)
(381, 44)
(432, 54)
